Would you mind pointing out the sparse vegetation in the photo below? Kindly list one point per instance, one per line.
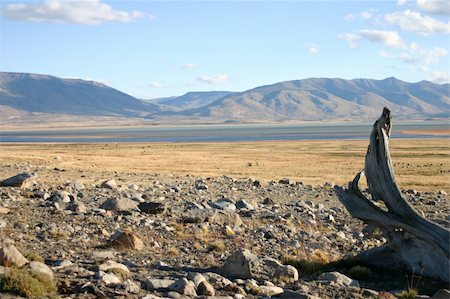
(28, 283)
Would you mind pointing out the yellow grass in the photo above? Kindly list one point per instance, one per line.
(420, 164)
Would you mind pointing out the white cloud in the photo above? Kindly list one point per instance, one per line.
(155, 85)
(313, 48)
(438, 7)
(366, 15)
(214, 79)
(88, 12)
(420, 56)
(389, 38)
(413, 21)
(351, 39)
(401, 2)
(385, 54)
(189, 66)
(439, 77)
(349, 17)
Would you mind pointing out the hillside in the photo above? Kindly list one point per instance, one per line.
(22, 93)
(326, 99)
(191, 100)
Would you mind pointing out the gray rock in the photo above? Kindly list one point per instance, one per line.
(109, 278)
(196, 278)
(284, 181)
(338, 278)
(109, 265)
(441, 294)
(224, 204)
(110, 184)
(244, 264)
(22, 180)
(40, 268)
(62, 196)
(184, 287)
(152, 207)
(78, 207)
(119, 204)
(131, 287)
(242, 204)
(267, 291)
(152, 284)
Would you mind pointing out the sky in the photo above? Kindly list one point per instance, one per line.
(152, 49)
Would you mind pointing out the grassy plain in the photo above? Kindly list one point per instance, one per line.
(419, 164)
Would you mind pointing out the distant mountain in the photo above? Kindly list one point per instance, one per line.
(23, 93)
(37, 99)
(324, 99)
(191, 100)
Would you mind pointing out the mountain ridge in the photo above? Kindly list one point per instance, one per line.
(24, 95)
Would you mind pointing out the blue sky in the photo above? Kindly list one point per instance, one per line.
(154, 49)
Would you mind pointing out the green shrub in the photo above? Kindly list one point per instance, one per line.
(29, 284)
(408, 294)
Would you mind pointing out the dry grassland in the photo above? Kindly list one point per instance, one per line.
(419, 164)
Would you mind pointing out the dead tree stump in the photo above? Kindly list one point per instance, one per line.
(414, 243)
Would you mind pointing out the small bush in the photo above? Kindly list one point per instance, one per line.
(360, 273)
(28, 283)
(217, 246)
(408, 294)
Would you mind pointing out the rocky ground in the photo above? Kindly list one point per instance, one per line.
(157, 236)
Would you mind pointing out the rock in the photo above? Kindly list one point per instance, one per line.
(267, 291)
(119, 204)
(244, 264)
(152, 284)
(239, 264)
(285, 181)
(338, 278)
(184, 287)
(152, 207)
(242, 204)
(11, 257)
(200, 185)
(441, 294)
(62, 264)
(110, 265)
(131, 287)
(151, 296)
(21, 180)
(224, 204)
(40, 268)
(110, 184)
(78, 207)
(206, 289)
(225, 218)
(4, 210)
(196, 278)
(103, 255)
(109, 278)
(126, 240)
(133, 187)
(217, 280)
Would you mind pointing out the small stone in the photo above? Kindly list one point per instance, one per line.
(152, 207)
(338, 278)
(127, 240)
(109, 265)
(110, 184)
(267, 291)
(4, 210)
(206, 289)
(285, 181)
(103, 255)
(242, 204)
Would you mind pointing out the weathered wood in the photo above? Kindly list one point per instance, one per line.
(414, 243)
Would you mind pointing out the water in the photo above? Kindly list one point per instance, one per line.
(223, 133)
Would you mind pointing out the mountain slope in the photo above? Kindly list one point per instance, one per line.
(326, 99)
(191, 100)
(47, 94)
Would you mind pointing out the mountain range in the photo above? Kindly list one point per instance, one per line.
(24, 96)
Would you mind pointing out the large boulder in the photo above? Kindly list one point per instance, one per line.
(244, 264)
(126, 240)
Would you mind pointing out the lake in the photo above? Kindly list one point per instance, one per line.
(227, 133)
